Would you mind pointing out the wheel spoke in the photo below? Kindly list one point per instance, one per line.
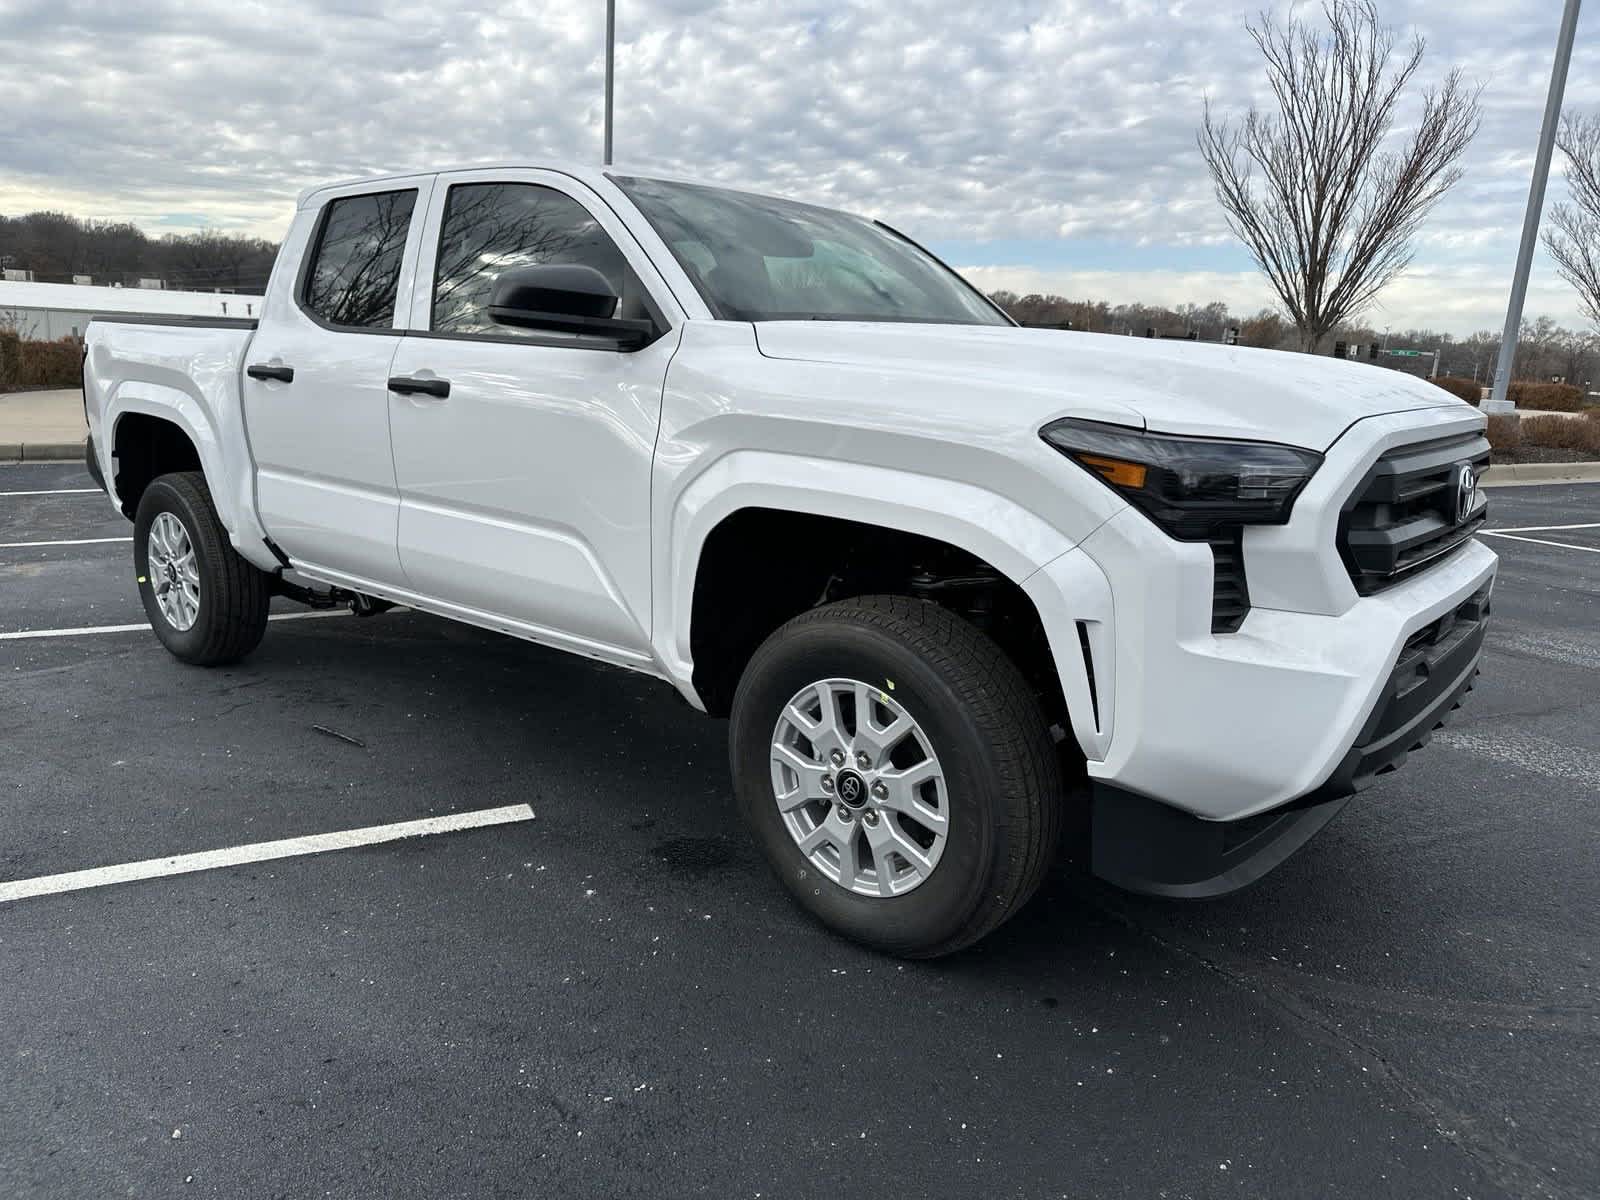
(887, 838)
(849, 869)
(878, 739)
(827, 833)
(808, 776)
(905, 790)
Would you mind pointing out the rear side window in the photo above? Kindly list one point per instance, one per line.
(355, 269)
(490, 227)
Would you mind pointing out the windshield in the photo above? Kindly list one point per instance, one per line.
(756, 258)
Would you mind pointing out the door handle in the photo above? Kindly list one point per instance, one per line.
(405, 385)
(270, 371)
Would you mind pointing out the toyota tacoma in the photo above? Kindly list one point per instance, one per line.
(949, 578)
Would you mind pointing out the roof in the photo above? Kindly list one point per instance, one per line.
(576, 170)
(73, 297)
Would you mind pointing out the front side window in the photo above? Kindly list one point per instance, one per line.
(489, 228)
(355, 270)
(758, 258)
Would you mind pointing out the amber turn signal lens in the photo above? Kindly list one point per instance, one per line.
(1123, 474)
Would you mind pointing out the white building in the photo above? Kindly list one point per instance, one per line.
(47, 312)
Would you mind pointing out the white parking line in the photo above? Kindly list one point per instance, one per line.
(210, 860)
(22, 635)
(56, 492)
(70, 542)
(1511, 537)
(1542, 528)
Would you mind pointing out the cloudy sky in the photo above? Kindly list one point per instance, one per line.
(1044, 145)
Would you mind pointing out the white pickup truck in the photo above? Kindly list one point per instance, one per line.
(945, 574)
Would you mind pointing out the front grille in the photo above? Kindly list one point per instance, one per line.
(1230, 594)
(1404, 516)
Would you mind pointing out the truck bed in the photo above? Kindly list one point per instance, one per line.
(185, 370)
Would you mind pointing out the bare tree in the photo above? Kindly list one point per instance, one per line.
(1573, 237)
(1326, 209)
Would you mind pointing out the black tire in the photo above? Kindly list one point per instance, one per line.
(988, 732)
(233, 594)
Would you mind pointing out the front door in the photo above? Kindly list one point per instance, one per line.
(315, 397)
(524, 471)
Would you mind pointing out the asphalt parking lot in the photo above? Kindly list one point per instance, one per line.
(613, 999)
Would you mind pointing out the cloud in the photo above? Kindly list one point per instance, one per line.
(1054, 121)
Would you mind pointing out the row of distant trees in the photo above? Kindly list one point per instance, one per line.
(56, 246)
(1545, 350)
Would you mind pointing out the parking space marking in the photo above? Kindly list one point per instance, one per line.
(69, 542)
(1511, 537)
(56, 492)
(22, 635)
(210, 860)
(1542, 528)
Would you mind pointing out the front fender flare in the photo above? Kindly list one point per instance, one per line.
(1013, 540)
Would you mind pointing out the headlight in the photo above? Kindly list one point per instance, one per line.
(1191, 487)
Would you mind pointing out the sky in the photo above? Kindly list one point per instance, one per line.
(1038, 146)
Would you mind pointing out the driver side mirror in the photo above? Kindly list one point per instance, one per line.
(564, 298)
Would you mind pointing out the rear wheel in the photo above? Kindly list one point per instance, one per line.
(898, 773)
(207, 605)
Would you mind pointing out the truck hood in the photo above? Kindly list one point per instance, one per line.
(1195, 388)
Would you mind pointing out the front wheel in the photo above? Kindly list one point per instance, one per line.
(207, 605)
(898, 773)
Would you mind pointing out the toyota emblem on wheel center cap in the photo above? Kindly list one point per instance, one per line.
(852, 789)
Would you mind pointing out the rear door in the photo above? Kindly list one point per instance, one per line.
(315, 393)
(525, 490)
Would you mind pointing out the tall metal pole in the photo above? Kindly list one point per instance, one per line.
(610, 69)
(1530, 221)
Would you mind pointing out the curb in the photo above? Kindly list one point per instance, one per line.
(1512, 474)
(15, 452)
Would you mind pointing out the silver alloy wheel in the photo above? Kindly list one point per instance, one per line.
(859, 787)
(173, 573)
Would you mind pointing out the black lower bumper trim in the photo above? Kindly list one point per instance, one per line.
(1147, 846)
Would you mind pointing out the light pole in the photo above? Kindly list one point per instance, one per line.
(610, 71)
(1497, 403)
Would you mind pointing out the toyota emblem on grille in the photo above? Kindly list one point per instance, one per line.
(1466, 489)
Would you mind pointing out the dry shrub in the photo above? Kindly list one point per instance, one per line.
(1505, 432)
(1550, 397)
(26, 364)
(1461, 389)
(1561, 433)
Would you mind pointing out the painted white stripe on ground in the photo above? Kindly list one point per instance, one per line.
(57, 492)
(210, 860)
(1542, 528)
(22, 635)
(72, 542)
(1511, 537)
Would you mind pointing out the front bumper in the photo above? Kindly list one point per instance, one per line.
(1147, 846)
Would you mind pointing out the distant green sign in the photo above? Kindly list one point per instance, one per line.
(1405, 353)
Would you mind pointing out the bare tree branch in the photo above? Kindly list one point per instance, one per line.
(1573, 237)
(1326, 208)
